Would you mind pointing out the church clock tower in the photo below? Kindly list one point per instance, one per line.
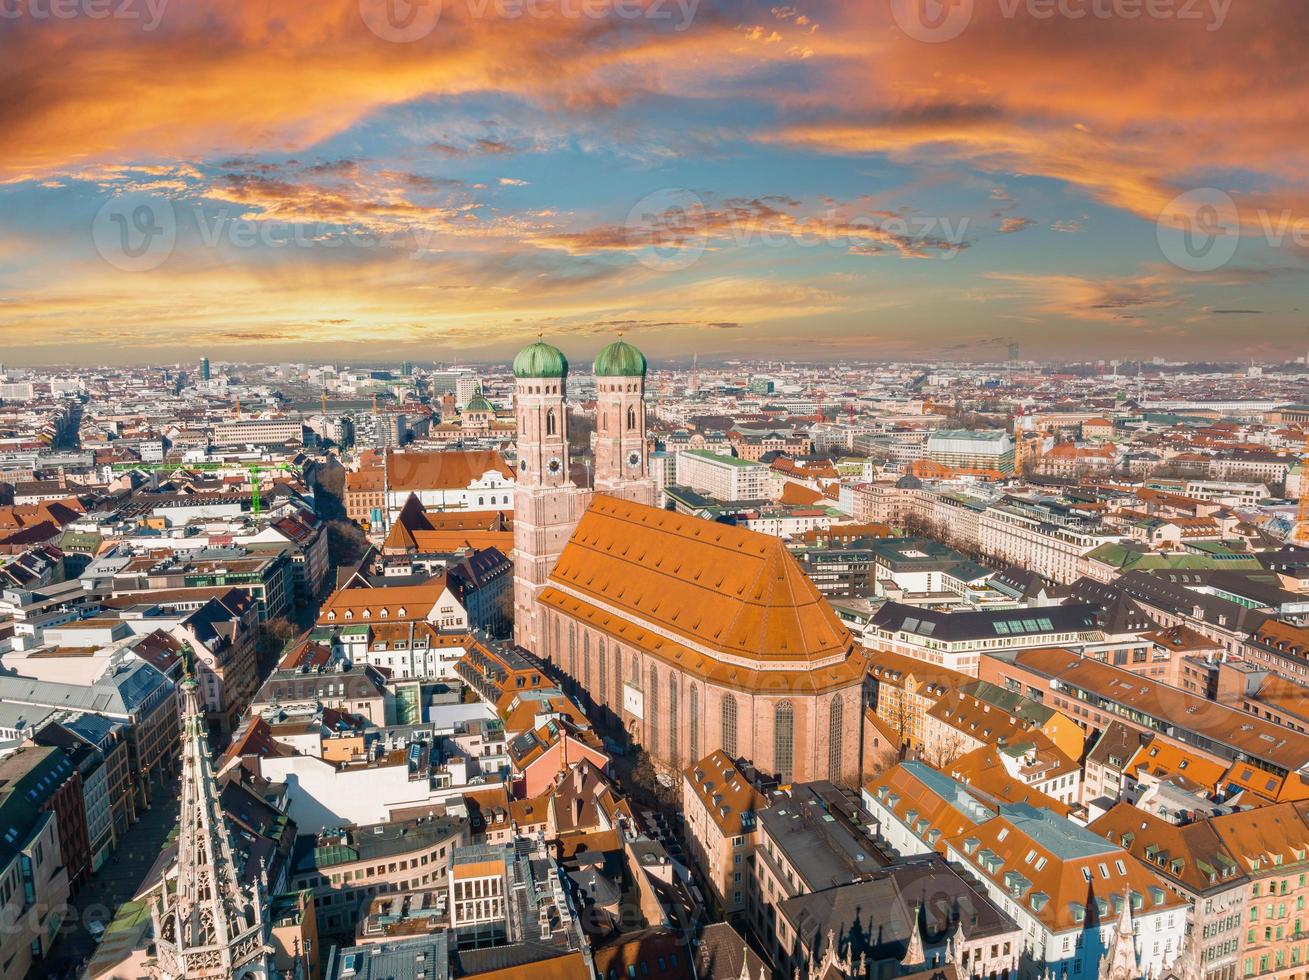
(622, 462)
(547, 506)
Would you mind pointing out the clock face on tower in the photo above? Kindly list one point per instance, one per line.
(554, 466)
(633, 459)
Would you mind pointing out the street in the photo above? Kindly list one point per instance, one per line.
(116, 882)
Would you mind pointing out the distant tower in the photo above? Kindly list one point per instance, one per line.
(547, 506)
(209, 926)
(621, 461)
(204, 369)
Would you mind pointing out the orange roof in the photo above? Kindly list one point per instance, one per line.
(451, 469)
(723, 791)
(433, 542)
(797, 493)
(1257, 837)
(719, 587)
(400, 602)
(982, 769)
(1162, 759)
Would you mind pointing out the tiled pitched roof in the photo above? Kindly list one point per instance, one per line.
(732, 591)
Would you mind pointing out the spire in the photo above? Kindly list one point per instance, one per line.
(915, 956)
(1119, 962)
(206, 924)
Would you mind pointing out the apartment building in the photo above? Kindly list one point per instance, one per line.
(346, 868)
(727, 478)
(719, 804)
(1074, 895)
(983, 449)
(1022, 536)
(957, 641)
(34, 880)
(258, 432)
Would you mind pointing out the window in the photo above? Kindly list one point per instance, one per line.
(673, 730)
(729, 725)
(603, 688)
(550, 422)
(652, 709)
(695, 723)
(835, 738)
(784, 741)
(631, 418)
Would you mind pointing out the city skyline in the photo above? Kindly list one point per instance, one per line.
(822, 181)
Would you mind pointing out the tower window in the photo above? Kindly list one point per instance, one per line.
(550, 422)
(631, 418)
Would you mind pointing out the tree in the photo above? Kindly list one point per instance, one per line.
(271, 639)
(328, 482)
(346, 543)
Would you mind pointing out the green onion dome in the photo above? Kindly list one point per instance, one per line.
(620, 360)
(540, 360)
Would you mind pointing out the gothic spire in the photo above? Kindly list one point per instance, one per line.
(206, 924)
(1119, 961)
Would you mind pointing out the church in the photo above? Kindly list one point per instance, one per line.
(693, 635)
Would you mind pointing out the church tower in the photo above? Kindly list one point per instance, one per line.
(206, 924)
(622, 462)
(547, 506)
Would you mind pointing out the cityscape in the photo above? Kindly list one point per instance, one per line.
(579, 665)
(654, 490)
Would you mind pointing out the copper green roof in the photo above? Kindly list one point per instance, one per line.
(540, 360)
(620, 360)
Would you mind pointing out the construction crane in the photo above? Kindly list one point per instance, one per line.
(255, 502)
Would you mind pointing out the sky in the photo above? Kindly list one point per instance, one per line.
(448, 179)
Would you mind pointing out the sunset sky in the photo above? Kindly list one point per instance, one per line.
(370, 180)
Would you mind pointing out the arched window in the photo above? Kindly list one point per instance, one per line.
(631, 418)
(835, 734)
(673, 730)
(602, 689)
(558, 650)
(618, 679)
(586, 662)
(729, 725)
(652, 709)
(695, 724)
(550, 422)
(784, 741)
(572, 651)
